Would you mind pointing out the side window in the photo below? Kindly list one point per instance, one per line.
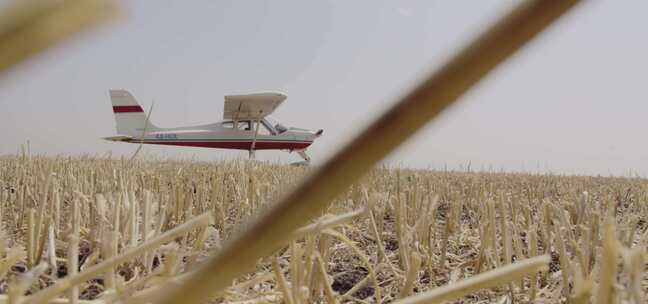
(245, 125)
(242, 125)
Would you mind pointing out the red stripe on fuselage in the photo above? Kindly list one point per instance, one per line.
(240, 145)
(127, 109)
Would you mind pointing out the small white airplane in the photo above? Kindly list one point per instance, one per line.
(246, 125)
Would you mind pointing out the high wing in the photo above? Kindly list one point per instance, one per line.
(251, 106)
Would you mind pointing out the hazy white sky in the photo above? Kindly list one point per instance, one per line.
(574, 101)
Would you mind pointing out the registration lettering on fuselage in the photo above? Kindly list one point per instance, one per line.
(165, 136)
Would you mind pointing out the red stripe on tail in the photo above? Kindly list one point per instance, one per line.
(127, 109)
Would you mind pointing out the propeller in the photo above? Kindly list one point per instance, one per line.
(146, 124)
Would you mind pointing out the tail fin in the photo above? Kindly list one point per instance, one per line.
(129, 115)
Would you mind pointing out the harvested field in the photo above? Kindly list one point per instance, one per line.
(122, 231)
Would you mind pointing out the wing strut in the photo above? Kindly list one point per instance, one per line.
(256, 131)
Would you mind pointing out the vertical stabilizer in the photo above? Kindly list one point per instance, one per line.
(129, 115)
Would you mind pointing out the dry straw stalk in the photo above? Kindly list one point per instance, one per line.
(489, 279)
(63, 284)
(425, 102)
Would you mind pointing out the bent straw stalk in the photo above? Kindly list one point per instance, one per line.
(433, 96)
(281, 282)
(489, 279)
(328, 291)
(326, 223)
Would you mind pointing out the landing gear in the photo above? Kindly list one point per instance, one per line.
(305, 156)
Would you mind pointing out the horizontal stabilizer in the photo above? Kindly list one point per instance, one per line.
(119, 138)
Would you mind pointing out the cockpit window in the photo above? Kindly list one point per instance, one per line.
(280, 128)
(242, 125)
(276, 124)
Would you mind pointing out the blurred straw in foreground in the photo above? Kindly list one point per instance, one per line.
(30, 26)
(385, 134)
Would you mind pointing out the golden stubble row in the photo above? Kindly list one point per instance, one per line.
(79, 229)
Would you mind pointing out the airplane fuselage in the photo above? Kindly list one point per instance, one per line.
(246, 126)
(223, 135)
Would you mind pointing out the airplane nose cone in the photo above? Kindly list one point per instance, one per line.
(319, 132)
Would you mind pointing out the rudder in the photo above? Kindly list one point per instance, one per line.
(129, 115)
